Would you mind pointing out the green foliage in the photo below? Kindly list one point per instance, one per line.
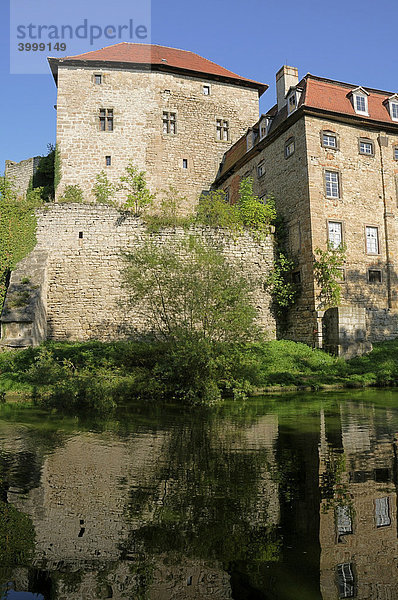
(279, 283)
(213, 210)
(17, 229)
(103, 190)
(255, 214)
(188, 289)
(43, 179)
(168, 214)
(250, 212)
(17, 536)
(57, 168)
(138, 195)
(327, 265)
(72, 194)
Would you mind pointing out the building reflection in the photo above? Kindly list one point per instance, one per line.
(358, 523)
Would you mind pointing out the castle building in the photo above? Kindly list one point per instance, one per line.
(328, 153)
(170, 112)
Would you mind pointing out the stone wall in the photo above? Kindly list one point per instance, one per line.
(21, 174)
(138, 100)
(85, 295)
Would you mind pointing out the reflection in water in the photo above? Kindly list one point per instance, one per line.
(276, 500)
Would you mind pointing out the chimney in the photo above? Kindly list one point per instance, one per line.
(286, 78)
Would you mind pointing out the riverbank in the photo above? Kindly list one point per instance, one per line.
(95, 375)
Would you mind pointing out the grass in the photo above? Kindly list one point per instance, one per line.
(83, 373)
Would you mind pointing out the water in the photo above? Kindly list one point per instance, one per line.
(283, 498)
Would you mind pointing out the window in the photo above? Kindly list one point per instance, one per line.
(382, 512)
(98, 79)
(335, 233)
(395, 152)
(206, 90)
(222, 128)
(372, 240)
(343, 520)
(185, 163)
(345, 580)
(296, 277)
(106, 119)
(264, 198)
(329, 140)
(169, 123)
(108, 161)
(374, 276)
(80, 235)
(360, 100)
(366, 147)
(289, 147)
(261, 169)
(292, 103)
(340, 275)
(332, 184)
(226, 192)
(394, 111)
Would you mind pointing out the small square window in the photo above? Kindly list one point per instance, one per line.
(366, 147)
(98, 79)
(80, 235)
(185, 163)
(329, 140)
(206, 90)
(289, 147)
(260, 169)
(296, 277)
(374, 276)
(332, 184)
(108, 161)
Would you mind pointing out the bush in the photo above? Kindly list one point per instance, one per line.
(72, 194)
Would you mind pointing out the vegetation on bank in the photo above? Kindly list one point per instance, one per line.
(94, 376)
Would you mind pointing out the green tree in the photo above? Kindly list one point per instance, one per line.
(44, 176)
(73, 194)
(138, 195)
(189, 289)
(327, 273)
(214, 210)
(103, 190)
(254, 213)
(280, 285)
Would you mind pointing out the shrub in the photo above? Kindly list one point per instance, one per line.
(72, 194)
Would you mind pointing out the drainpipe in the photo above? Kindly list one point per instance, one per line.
(383, 142)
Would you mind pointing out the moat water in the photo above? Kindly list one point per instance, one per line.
(281, 498)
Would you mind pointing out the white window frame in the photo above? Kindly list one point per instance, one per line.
(206, 89)
(346, 580)
(335, 234)
(372, 239)
(332, 184)
(169, 123)
(290, 147)
(329, 135)
(261, 169)
(393, 107)
(382, 512)
(360, 93)
(222, 130)
(364, 146)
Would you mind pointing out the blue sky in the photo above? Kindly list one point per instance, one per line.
(345, 40)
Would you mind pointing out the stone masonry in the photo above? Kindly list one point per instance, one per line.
(85, 297)
(186, 160)
(21, 174)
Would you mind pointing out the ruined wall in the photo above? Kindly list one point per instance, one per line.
(138, 100)
(85, 245)
(20, 174)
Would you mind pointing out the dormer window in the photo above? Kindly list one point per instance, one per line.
(393, 106)
(265, 124)
(293, 97)
(360, 101)
(250, 139)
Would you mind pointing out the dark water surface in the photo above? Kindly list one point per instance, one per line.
(288, 498)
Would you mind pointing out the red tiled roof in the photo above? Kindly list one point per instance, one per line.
(324, 95)
(335, 97)
(150, 54)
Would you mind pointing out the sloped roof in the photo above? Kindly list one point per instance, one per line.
(323, 95)
(159, 58)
